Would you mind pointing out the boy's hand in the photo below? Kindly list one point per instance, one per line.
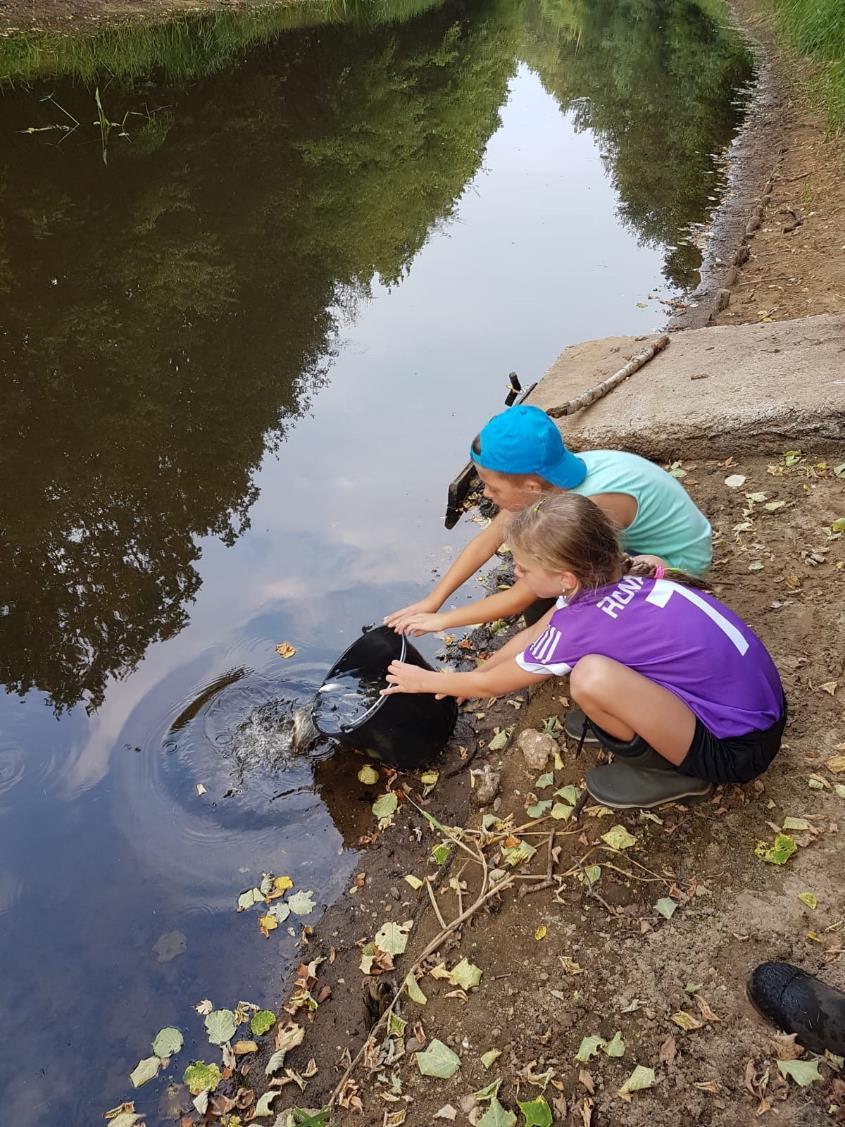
(399, 618)
(415, 625)
(402, 677)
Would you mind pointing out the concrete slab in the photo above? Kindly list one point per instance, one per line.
(728, 389)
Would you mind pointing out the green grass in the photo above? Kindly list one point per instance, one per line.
(817, 28)
(184, 48)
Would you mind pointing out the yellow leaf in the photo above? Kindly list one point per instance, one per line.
(541, 932)
(267, 924)
(241, 1047)
(829, 687)
(285, 649)
(836, 763)
(686, 1021)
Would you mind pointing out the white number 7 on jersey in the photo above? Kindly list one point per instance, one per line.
(662, 592)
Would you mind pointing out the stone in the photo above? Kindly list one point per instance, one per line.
(486, 785)
(536, 747)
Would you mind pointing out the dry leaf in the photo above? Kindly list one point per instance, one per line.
(704, 1009)
(586, 1079)
(686, 1021)
(829, 687)
(707, 1086)
(668, 1050)
(586, 1111)
(285, 649)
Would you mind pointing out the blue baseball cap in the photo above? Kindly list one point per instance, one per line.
(524, 440)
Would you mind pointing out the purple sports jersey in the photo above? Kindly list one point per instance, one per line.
(678, 637)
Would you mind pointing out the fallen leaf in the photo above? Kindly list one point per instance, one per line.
(836, 764)
(779, 852)
(489, 1092)
(707, 1086)
(537, 1113)
(201, 1077)
(429, 778)
(704, 1009)
(285, 649)
(204, 1007)
(261, 1022)
(615, 1047)
(170, 945)
(589, 1047)
(803, 1072)
(447, 1112)
(268, 922)
(413, 881)
(241, 1048)
(279, 912)
(561, 811)
(168, 1041)
(586, 1079)
(124, 1116)
(248, 898)
(799, 824)
(393, 938)
(668, 1050)
(465, 974)
(201, 789)
(438, 1060)
(569, 965)
(686, 1021)
(639, 1079)
(810, 899)
(144, 1070)
(489, 1058)
(301, 903)
(541, 932)
(515, 855)
(497, 1116)
(385, 806)
(546, 780)
(735, 481)
(500, 739)
(413, 991)
(618, 838)
(276, 1062)
(666, 907)
(829, 687)
(262, 1105)
(538, 809)
(220, 1026)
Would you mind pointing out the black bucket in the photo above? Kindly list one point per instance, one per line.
(404, 730)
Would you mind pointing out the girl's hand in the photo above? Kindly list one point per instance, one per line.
(402, 677)
(416, 624)
(398, 617)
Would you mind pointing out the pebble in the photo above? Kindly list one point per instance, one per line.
(395, 893)
(486, 785)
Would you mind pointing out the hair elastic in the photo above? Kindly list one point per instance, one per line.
(659, 571)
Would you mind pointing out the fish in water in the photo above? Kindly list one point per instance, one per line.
(341, 702)
(304, 732)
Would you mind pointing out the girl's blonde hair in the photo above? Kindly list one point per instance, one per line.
(568, 532)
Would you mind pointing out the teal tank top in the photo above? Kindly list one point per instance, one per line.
(668, 524)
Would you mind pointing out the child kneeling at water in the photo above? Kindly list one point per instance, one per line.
(671, 681)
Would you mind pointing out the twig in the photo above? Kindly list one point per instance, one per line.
(588, 885)
(548, 880)
(435, 905)
(612, 381)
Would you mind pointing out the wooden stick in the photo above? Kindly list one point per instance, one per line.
(600, 390)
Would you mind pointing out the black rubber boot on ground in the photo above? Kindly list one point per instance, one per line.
(574, 726)
(639, 778)
(800, 1003)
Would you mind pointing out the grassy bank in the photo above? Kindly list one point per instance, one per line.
(184, 48)
(817, 28)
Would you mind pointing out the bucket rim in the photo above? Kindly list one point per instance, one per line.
(373, 709)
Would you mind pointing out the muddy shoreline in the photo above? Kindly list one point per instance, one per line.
(71, 17)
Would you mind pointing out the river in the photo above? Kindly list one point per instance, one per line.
(256, 304)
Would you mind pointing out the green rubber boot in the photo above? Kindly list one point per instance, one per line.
(641, 781)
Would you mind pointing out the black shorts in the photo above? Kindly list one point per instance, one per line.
(737, 759)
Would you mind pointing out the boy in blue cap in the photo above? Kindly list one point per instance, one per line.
(520, 457)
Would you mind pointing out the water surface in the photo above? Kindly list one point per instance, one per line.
(244, 348)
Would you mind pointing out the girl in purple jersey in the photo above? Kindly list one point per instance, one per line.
(671, 681)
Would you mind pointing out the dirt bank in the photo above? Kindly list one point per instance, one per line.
(570, 961)
(777, 249)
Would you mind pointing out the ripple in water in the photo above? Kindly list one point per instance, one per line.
(11, 768)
